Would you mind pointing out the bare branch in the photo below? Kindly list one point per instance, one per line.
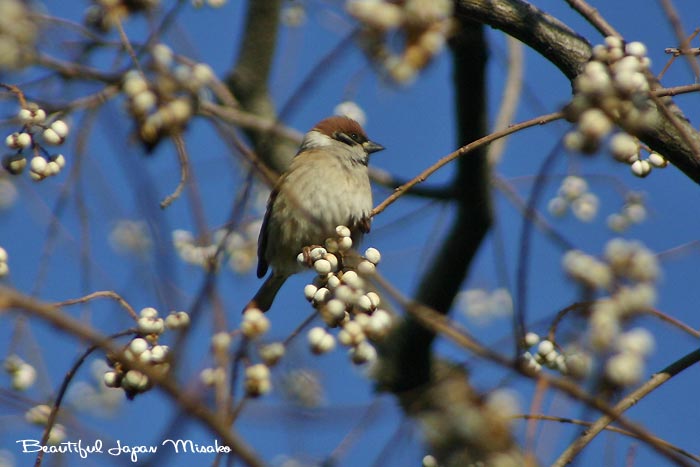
(610, 428)
(400, 191)
(183, 160)
(593, 17)
(630, 400)
(101, 294)
(569, 52)
(11, 299)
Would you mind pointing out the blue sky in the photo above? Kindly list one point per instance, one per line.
(415, 124)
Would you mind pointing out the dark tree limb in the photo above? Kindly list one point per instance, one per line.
(438, 394)
(568, 51)
(409, 350)
(249, 80)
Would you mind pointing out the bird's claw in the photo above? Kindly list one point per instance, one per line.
(306, 251)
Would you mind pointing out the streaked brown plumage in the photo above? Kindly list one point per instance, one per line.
(326, 185)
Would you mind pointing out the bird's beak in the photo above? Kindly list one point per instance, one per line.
(371, 147)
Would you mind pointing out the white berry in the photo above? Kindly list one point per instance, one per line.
(641, 168)
(342, 231)
(322, 266)
(372, 255)
(38, 165)
(51, 137)
(60, 127)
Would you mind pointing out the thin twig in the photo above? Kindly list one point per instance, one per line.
(583, 306)
(17, 92)
(679, 250)
(631, 399)
(77, 71)
(249, 121)
(238, 359)
(352, 436)
(127, 45)
(389, 447)
(673, 91)
(593, 17)
(74, 179)
(538, 219)
(612, 428)
(525, 249)
(11, 299)
(168, 19)
(62, 200)
(676, 52)
(384, 178)
(578, 306)
(511, 96)
(531, 428)
(681, 36)
(62, 392)
(682, 130)
(183, 160)
(299, 328)
(674, 322)
(400, 191)
(100, 294)
(441, 324)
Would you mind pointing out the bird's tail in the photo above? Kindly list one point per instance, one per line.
(267, 292)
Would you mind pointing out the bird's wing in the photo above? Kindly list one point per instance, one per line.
(262, 239)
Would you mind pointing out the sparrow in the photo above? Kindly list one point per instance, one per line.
(326, 185)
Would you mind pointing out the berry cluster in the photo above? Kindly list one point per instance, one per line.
(22, 374)
(303, 388)
(613, 90)
(257, 376)
(162, 99)
(130, 236)
(626, 366)
(36, 130)
(254, 323)
(18, 34)
(623, 367)
(574, 362)
(240, 246)
(145, 349)
(424, 24)
(482, 305)
(573, 193)
(628, 272)
(257, 380)
(634, 211)
(271, 353)
(220, 346)
(626, 149)
(39, 415)
(340, 295)
(623, 261)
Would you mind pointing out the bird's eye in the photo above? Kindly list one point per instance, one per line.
(351, 138)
